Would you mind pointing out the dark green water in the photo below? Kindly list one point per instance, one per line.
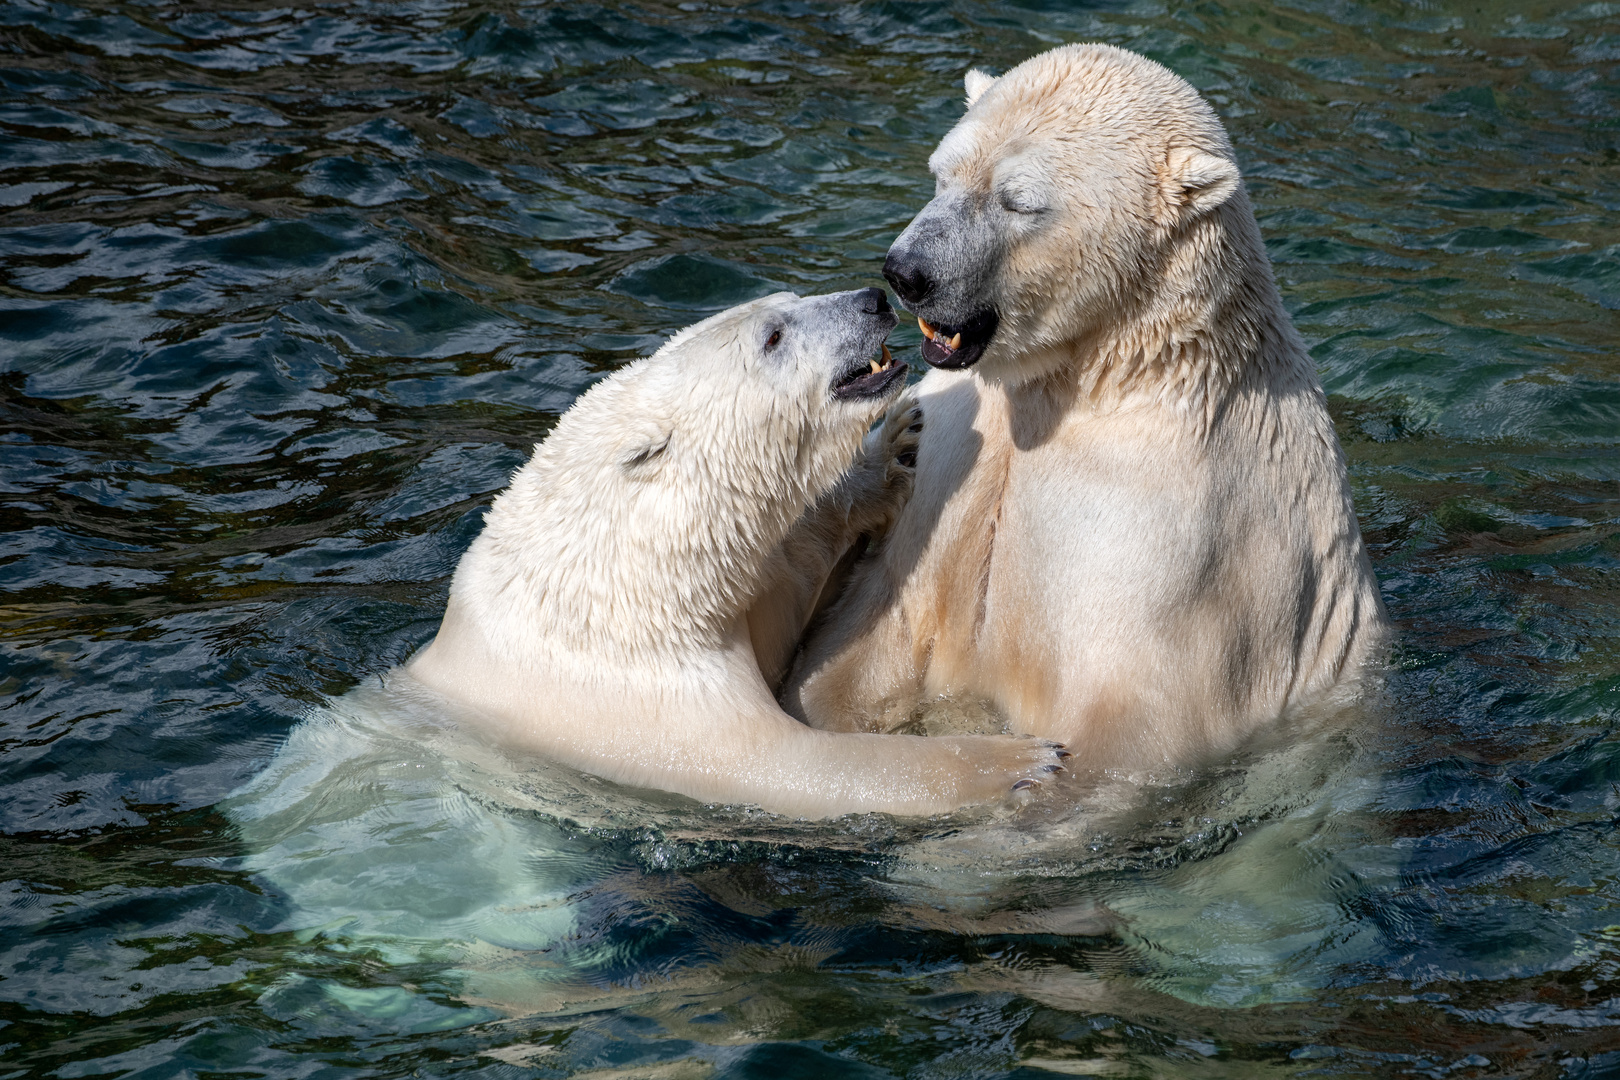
(285, 292)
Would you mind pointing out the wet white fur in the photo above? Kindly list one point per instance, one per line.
(1131, 529)
(603, 616)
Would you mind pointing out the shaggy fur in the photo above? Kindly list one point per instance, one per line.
(1130, 529)
(615, 609)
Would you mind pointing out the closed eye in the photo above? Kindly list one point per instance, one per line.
(1018, 202)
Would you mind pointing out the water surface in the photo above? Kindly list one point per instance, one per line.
(287, 291)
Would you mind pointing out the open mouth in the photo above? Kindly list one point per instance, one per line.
(869, 378)
(958, 346)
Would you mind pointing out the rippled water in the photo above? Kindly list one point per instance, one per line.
(286, 291)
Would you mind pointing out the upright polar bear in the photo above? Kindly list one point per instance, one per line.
(653, 563)
(1130, 529)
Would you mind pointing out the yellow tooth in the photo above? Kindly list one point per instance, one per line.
(955, 342)
(928, 331)
(887, 358)
(876, 367)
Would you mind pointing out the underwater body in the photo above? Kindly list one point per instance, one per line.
(287, 294)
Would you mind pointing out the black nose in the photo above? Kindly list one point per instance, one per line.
(874, 301)
(911, 283)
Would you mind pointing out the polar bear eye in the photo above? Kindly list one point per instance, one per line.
(1019, 202)
(774, 340)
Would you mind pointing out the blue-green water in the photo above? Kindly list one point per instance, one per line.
(286, 291)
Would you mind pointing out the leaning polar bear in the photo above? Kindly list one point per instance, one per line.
(653, 564)
(1130, 529)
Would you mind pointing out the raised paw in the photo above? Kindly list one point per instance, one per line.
(902, 434)
(889, 462)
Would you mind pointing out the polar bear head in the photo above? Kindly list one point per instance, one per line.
(1087, 189)
(641, 523)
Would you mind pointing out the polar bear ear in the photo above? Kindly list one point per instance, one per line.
(976, 82)
(642, 456)
(1197, 181)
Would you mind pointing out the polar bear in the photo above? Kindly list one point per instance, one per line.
(653, 562)
(1130, 529)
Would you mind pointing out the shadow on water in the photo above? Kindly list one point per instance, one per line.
(286, 292)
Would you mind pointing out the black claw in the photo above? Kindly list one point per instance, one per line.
(915, 427)
(908, 459)
(1025, 784)
(1064, 755)
(1052, 768)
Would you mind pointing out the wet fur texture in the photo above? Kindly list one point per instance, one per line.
(1131, 529)
(616, 609)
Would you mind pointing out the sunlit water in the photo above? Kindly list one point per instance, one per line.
(286, 292)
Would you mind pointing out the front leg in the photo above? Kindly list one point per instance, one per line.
(858, 668)
(864, 662)
(855, 673)
(810, 567)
